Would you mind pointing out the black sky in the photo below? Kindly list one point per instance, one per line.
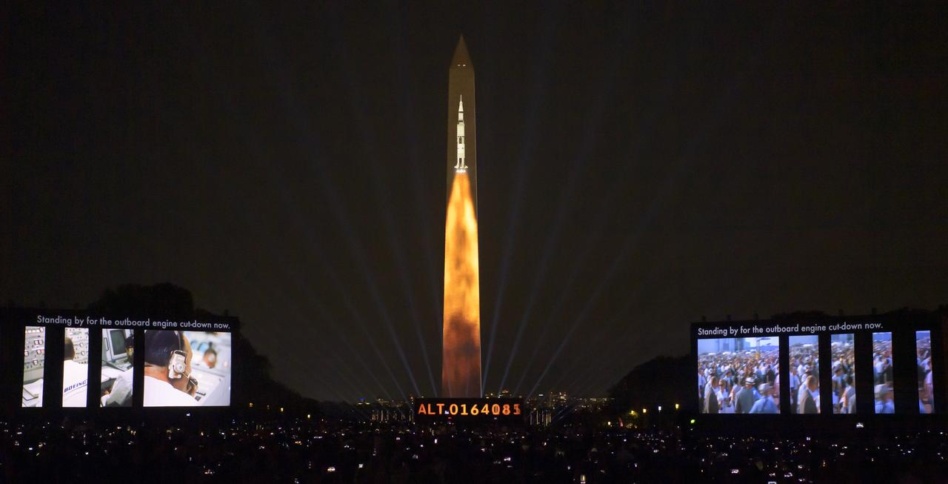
(638, 168)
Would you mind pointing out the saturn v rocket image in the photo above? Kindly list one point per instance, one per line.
(460, 166)
(461, 337)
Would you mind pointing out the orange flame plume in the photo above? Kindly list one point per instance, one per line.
(461, 370)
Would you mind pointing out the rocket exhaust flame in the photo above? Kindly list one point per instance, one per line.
(461, 364)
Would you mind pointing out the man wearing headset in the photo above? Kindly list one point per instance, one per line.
(168, 381)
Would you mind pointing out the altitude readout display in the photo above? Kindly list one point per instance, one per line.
(469, 408)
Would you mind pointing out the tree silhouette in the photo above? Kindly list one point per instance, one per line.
(662, 381)
(164, 300)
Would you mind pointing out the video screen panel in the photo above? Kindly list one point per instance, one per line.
(882, 370)
(844, 373)
(75, 367)
(118, 369)
(212, 366)
(34, 364)
(822, 356)
(739, 375)
(187, 368)
(926, 390)
(804, 374)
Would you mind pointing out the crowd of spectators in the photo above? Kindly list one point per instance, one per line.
(734, 382)
(302, 450)
(844, 375)
(882, 375)
(923, 345)
(804, 378)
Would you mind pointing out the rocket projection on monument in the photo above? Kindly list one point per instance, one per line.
(461, 361)
(461, 165)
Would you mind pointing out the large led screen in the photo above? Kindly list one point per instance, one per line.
(926, 390)
(75, 367)
(826, 366)
(844, 373)
(804, 374)
(118, 370)
(186, 368)
(739, 375)
(34, 364)
(882, 371)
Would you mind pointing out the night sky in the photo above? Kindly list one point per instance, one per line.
(638, 169)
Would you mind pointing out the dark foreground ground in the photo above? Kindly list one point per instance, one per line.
(244, 449)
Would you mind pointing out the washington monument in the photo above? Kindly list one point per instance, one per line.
(461, 338)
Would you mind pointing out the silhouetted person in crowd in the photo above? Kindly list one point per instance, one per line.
(884, 403)
(766, 402)
(745, 398)
(711, 404)
(809, 393)
(847, 402)
(924, 400)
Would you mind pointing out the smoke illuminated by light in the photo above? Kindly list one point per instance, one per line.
(461, 364)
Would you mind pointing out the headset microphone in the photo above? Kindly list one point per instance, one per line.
(178, 362)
